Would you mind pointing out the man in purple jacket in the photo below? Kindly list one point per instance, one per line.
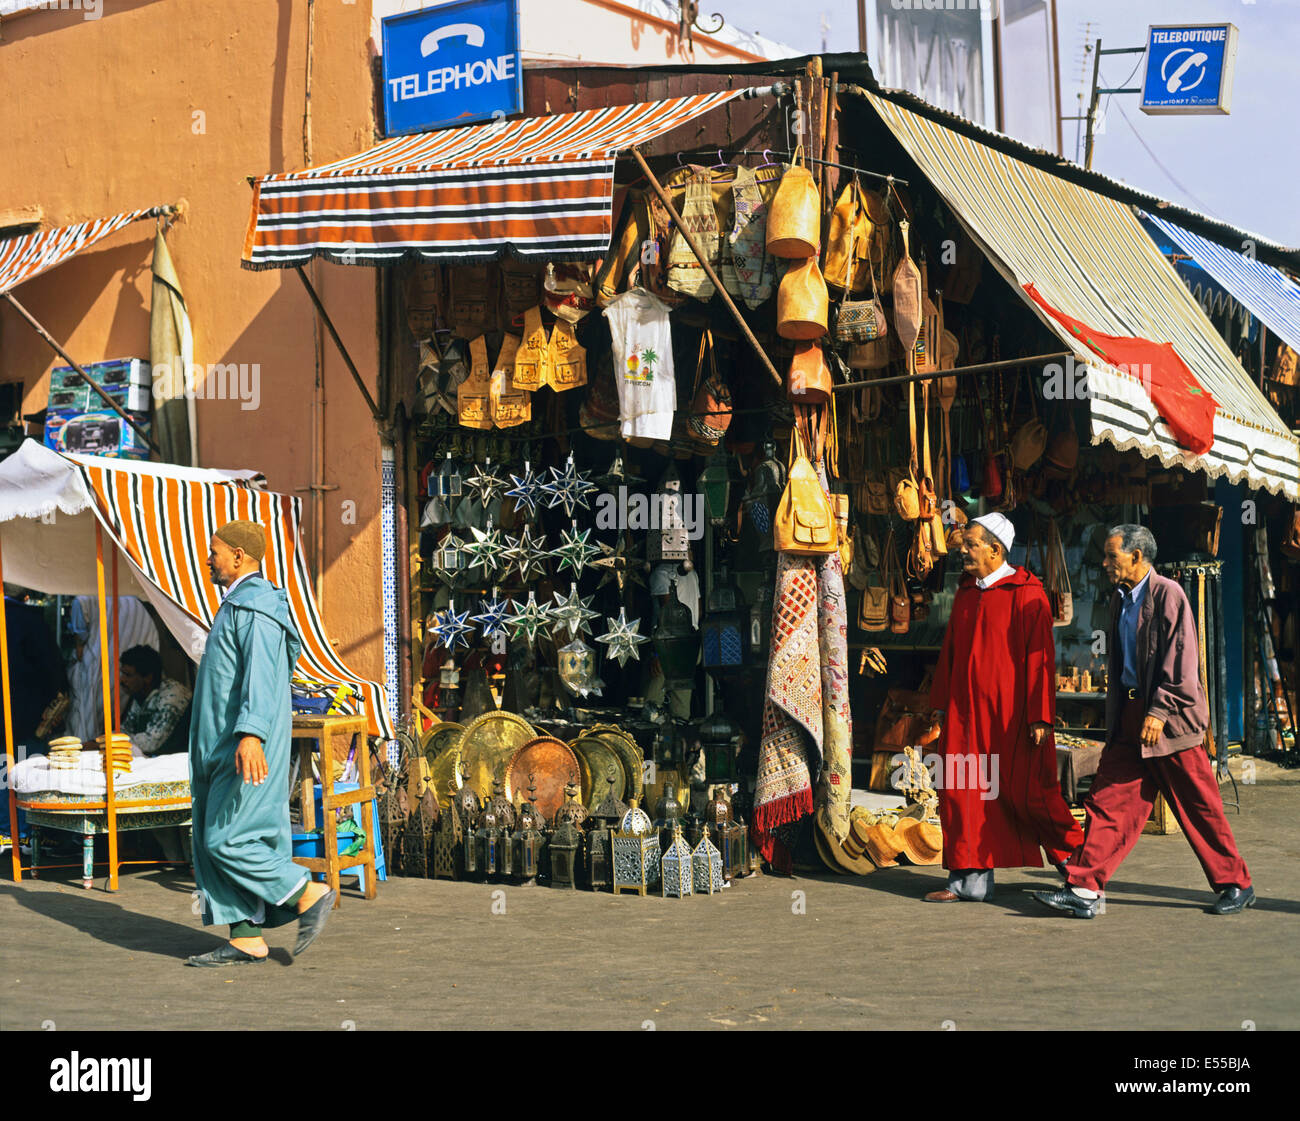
(1156, 718)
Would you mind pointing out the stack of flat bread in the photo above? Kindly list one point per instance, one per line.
(65, 753)
(119, 750)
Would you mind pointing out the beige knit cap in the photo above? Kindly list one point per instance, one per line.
(245, 535)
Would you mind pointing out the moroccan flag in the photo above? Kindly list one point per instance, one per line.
(1184, 402)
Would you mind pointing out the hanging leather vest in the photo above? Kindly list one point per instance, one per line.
(474, 394)
(557, 360)
(510, 405)
(747, 271)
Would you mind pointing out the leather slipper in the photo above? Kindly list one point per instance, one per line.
(312, 921)
(226, 954)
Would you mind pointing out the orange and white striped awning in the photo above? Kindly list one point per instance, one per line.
(29, 255)
(537, 187)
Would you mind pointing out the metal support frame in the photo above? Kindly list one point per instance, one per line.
(960, 371)
(338, 342)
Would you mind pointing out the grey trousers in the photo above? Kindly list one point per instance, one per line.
(975, 885)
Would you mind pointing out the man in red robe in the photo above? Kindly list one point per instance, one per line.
(994, 696)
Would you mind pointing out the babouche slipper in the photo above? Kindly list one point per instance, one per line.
(312, 921)
(225, 954)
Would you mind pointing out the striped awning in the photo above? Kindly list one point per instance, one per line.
(1089, 257)
(163, 518)
(1269, 294)
(29, 255)
(537, 187)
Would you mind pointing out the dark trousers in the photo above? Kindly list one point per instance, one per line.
(1120, 802)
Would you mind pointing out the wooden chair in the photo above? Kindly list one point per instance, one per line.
(312, 733)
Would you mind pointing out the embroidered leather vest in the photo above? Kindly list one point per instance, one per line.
(510, 404)
(473, 395)
(747, 270)
(557, 360)
(685, 273)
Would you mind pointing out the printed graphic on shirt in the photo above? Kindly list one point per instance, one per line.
(641, 365)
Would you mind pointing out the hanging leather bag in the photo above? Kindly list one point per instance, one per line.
(809, 380)
(802, 302)
(900, 605)
(805, 519)
(848, 241)
(711, 403)
(1291, 538)
(1060, 595)
(907, 299)
(795, 217)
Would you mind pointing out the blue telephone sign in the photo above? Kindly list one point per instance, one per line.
(455, 64)
(1189, 68)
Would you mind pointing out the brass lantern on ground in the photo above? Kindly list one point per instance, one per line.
(730, 834)
(563, 849)
(607, 814)
(706, 863)
(527, 841)
(676, 876)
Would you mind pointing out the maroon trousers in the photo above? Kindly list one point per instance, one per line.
(1120, 802)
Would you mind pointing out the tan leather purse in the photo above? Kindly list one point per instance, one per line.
(809, 380)
(805, 519)
(900, 604)
(848, 241)
(908, 297)
(802, 302)
(794, 219)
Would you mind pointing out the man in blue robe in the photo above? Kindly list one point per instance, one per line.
(239, 761)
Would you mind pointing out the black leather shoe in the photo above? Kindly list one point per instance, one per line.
(1232, 900)
(1065, 900)
(1061, 869)
(312, 921)
(226, 954)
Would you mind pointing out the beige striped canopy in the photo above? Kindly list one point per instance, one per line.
(1089, 257)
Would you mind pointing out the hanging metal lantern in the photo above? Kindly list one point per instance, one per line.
(635, 846)
(719, 737)
(722, 634)
(675, 640)
(706, 861)
(446, 482)
(676, 876)
(764, 494)
(448, 559)
(760, 621)
(671, 541)
(715, 482)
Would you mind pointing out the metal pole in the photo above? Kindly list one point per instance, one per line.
(14, 851)
(338, 342)
(110, 810)
(979, 368)
(1092, 105)
(89, 380)
(691, 240)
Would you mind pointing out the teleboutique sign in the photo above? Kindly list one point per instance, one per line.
(451, 65)
(1189, 68)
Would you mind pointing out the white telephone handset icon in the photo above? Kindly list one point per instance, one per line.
(1176, 78)
(470, 32)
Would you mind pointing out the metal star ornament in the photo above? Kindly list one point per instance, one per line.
(492, 619)
(623, 638)
(621, 562)
(529, 618)
(451, 628)
(570, 613)
(485, 484)
(568, 488)
(576, 551)
(485, 550)
(527, 491)
(527, 553)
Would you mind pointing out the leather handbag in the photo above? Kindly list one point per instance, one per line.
(711, 404)
(795, 217)
(802, 302)
(873, 612)
(860, 321)
(900, 605)
(1057, 579)
(848, 241)
(907, 299)
(869, 356)
(809, 380)
(805, 519)
(904, 720)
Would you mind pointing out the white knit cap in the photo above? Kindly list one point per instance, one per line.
(1000, 526)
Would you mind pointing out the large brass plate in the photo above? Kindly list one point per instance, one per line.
(600, 759)
(488, 744)
(629, 754)
(444, 773)
(547, 764)
(441, 736)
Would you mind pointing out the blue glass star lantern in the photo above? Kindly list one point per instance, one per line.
(528, 618)
(527, 490)
(570, 613)
(452, 629)
(527, 553)
(623, 638)
(568, 488)
(576, 551)
(492, 619)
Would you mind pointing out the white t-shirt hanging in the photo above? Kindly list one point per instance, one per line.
(643, 364)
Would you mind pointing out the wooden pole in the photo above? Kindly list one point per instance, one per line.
(88, 379)
(9, 739)
(691, 240)
(110, 796)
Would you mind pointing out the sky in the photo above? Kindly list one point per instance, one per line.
(1243, 168)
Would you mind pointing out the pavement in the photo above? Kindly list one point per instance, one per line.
(816, 951)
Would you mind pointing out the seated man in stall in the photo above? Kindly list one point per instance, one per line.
(157, 715)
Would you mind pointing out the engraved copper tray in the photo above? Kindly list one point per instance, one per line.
(547, 764)
(487, 746)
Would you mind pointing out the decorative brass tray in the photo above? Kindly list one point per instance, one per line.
(547, 764)
(629, 755)
(600, 759)
(441, 736)
(488, 744)
(444, 773)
